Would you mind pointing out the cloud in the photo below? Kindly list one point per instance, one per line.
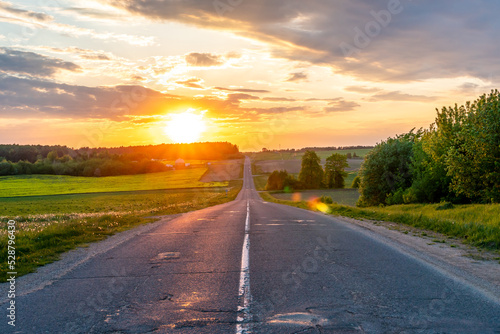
(203, 59)
(242, 90)
(295, 77)
(194, 83)
(278, 99)
(7, 8)
(237, 97)
(415, 40)
(398, 96)
(362, 89)
(37, 98)
(340, 106)
(30, 63)
(35, 20)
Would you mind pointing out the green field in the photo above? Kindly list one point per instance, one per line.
(36, 185)
(259, 156)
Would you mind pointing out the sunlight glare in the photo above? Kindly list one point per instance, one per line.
(186, 127)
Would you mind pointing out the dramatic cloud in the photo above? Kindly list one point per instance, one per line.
(30, 63)
(398, 96)
(373, 40)
(295, 77)
(203, 59)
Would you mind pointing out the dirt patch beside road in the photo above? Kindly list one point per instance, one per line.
(223, 171)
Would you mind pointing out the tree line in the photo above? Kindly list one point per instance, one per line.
(457, 159)
(312, 175)
(61, 160)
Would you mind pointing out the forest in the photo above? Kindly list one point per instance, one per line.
(62, 160)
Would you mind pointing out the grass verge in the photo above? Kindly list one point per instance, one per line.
(478, 225)
(47, 229)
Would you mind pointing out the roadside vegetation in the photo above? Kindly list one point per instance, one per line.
(456, 160)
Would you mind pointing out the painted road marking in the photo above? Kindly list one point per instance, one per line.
(244, 292)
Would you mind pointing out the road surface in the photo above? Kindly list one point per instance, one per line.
(254, 267)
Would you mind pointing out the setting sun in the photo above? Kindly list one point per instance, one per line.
(186, 127)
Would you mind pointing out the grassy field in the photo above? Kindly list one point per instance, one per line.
(478, 225)
(36, 185)
(339, 196)
(261, 156)
(49, 225)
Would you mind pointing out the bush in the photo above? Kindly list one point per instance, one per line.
(326, 199)
(355, 182)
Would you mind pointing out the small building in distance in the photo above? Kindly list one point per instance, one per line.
(179, 163)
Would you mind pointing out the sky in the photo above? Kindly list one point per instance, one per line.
(259, 73)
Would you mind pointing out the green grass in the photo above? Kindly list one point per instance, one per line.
(260, 181)
(478, 224)
(48, 226)
(36, 185)
(340, 196)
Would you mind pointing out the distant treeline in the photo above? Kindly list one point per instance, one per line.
(194, 151)
(329, 148)
(61, 160)
(457, 159)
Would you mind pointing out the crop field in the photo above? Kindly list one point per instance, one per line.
(293, 166)
(262, 156)
(37, 185)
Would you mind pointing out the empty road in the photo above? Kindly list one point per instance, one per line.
(254, 267)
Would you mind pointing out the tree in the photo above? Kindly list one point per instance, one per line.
(311, 172)
(334, 171)
(386, 170)
(355, 182)
(349, 155)
(473, 163)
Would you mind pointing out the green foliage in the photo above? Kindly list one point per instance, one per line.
(326, 199)
(457, 159)
(280, 180)
(335, 171)
(474, 160)
(311, 173)
(356, 182)
(386, 170)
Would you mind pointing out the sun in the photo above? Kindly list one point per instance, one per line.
(186, 127)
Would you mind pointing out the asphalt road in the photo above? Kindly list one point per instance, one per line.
(252, 266)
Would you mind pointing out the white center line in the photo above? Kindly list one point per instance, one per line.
(244, 292)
